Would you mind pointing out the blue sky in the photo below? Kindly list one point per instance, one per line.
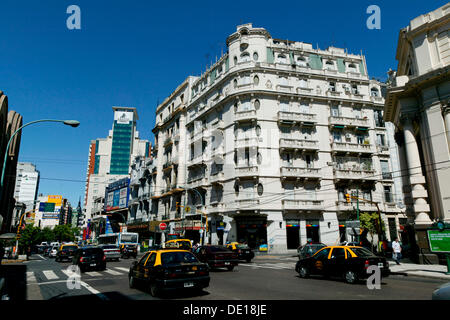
(134, 53)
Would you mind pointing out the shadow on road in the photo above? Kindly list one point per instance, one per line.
(15, 282)
(334, 279)
(112, 296)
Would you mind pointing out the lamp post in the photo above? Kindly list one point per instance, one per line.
(72, 123)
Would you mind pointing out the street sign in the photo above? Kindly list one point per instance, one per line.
(439, 241)
(162, 226)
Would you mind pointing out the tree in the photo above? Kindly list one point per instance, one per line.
(47, 235)
(29, 237)
(65, 233)
(370, 222)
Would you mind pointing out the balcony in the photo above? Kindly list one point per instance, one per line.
(197, 181)
(297, 172)
(354, 174)
(217, 178)
(391, 207)
(168, 142)
(376, 99)
(199, 160)
(363, 206)
(304, 205)
(247, 171)
(383, 150)
(199, 134)
(348, 147)
(249, 115)
(348, 122)
(217, 125)
(289, 143)
(217, 207)
(289, 117)
(247, 203)
(246, 142)
(218, 152)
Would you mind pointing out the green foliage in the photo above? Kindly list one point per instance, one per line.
(370, 222)
(64, 233)
(29, 236)
(47, 235)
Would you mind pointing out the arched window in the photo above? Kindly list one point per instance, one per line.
(374, 92)
(301, 61)
(255, 56)
(260, 189)
(255, 80)
(281, 58)
(257, 104)
(352, 67)
(245, 57)
(235, 60)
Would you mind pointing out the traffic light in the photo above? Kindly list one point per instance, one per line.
(177, 205)
(347, 197)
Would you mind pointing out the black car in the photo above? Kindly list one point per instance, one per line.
(309, 249)
(87, 258)
(217, 256)
(243, 251)
(169, 269)
(350, 263)
(128, 250)
(66, 252)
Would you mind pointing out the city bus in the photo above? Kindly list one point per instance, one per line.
(119, 238)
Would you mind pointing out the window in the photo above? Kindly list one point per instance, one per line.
(258, 130)
(260, 189)
(257, 104)
(338, 253)
(255, 56)
(332, 87)
(374, 92)
(380, 140)
(387, 194)
(385, 169)
(301, 61)
(352, 67)
(336, 136)
(284, 106)
(335, 111)
(355, 89)
(151, 260)
(235, 83)
(235, 60)
(245, 57)
(255, 80)
(378, 116)
(259, 158)
(329, 65)
(281, 58)
(322, 254)
(360, 138)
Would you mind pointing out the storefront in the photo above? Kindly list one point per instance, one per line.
(293, 234)
(312, 231)
(192, 228)
(251, 230)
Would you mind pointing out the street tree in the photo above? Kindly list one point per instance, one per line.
(370, 222)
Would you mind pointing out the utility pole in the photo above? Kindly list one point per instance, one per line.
(357, 212)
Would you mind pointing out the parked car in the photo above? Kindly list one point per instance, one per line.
(53, 251)
(128, 250)
(66, 252)
(217, 256)
(243, 251)
(169, 269)
(309, 249)
(87, 258)
(47, 251)
(112, 251)
(442, 293)
(350, 263)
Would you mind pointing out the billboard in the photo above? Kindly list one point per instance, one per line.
(123, 117)
(46, 207)
(57, 200)
(439, 240)
(117, 195)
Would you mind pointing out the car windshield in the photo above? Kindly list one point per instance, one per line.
(177, 257)
(110, 247)
(218, 249)
(362, 252)
(92, 251)
(242, 246)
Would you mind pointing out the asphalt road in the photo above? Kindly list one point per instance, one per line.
(262, 279)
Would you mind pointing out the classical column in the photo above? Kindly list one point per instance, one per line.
(446, 112)
(159, 165)
(182, 153)
(416, 178)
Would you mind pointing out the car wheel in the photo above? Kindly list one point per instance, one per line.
(303, 272)
(132, 282)
(350, 277)
(154, 291)
(230, 268)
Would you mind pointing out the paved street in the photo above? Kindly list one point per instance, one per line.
(261, 279)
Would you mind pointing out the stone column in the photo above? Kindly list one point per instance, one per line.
(446, 112)
(182, 153)
(416, 178)
(159, 165)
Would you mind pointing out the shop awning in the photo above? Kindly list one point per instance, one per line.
(338, 126)
(362, 128)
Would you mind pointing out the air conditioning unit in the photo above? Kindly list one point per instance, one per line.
(348, 136)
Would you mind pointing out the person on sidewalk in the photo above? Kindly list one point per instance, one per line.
(396, 251)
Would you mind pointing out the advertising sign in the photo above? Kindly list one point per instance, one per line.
(57, 200)
(117, 195)
(123, 117)
(439, 241)
(46, 207)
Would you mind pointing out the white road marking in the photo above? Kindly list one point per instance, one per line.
(114, 273)
(94, 291)
(41, 257)
(93, 274)
(50, 275)
(31, 277)
(122, 269)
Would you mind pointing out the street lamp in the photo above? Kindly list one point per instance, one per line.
(72, 123)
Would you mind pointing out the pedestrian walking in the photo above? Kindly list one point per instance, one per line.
(396, 251)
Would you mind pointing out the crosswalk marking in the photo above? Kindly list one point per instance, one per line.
(50, 275)
(276, 266)
(114, 273)
(31, 277)
(93, 273)
(121, 269)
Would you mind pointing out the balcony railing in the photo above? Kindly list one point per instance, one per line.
(307, 205)
(245, 115)
(355, 174)
(299, 144)
(350, 122)
(350, 206)
(296, 116)
(298, 172)
(218, 177)
(352, 147)
(217, 207)
(246, 142)
(247, 202)
(246, 171)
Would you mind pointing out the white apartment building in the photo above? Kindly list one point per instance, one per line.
(27, 184)
(267, 143)
(417, 102)
(110, 158)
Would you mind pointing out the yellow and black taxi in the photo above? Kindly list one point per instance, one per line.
(66, 252)
(243, 251)
(184, 244)
(349, 262)
(169, 269)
